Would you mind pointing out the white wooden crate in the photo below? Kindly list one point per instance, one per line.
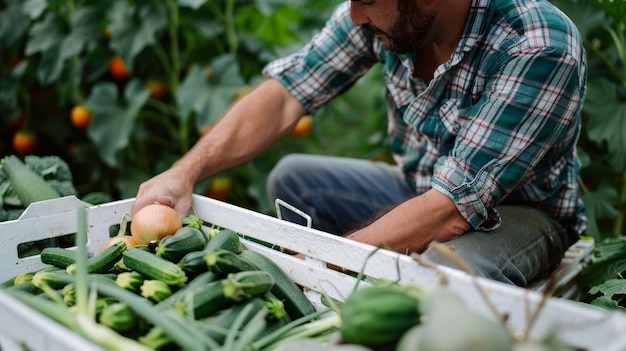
(579, 325)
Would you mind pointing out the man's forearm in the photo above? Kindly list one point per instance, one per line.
(414, 224)
(252, 125)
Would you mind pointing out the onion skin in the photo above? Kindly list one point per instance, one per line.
(154, 222)
(130, 241)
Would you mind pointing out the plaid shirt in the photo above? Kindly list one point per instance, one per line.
(499, 122)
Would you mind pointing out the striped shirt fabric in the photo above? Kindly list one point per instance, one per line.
(498, 123)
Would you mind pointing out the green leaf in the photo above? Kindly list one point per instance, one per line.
(607, 121)
(599, 203)
(114, 116)
(35, 8)
(209, 98)
(275, 28)
(56, 46)
(44, 35)
(193, 4)
(9, 88)
(610, 247)
(601, 271)
(605, 303)
(135, 28)
(610, 288)
(615, 9)
(13, 24)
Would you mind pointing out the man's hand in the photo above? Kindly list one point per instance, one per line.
(414, 224)
(169, 188)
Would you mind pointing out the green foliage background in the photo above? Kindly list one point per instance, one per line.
(54, 55)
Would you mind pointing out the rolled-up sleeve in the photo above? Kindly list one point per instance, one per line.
(527, 112)
(328, 65)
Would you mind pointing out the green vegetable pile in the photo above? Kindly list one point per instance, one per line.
(201, 289)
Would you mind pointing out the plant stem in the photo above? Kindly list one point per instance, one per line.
(621, 208)
(229, 21)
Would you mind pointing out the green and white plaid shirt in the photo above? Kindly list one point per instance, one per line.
(498, 123)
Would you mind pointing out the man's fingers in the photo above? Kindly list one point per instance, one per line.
(165, 200)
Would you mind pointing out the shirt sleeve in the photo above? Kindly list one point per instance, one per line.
(530, 109)
(328, 65)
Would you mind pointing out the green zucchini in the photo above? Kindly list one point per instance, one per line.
(177, 245)
(69, 294)
(154, 267)
(155, 290)
(204, 301)
(58, 257)
(193, 263)
(118, 316)
(103, 261)
(23, 278)
(225, 239)
(130, 281)
(247, 284)
(219, 326)
(51, 276)
(225, 262)
(187, 289)
(296, 303)
(377, 316)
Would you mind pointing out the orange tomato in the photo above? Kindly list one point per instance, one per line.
(25, 142)
(81, 116)
(205, 129)
(118, 69)
(219, 188)
(158, 89)
(303, 127)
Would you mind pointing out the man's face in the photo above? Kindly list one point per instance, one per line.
(409, 30)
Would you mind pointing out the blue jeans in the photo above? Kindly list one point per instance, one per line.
(340, 193)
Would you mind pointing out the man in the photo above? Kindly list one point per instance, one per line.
(484, 100)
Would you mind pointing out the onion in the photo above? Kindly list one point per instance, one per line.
(129, 240)
(154, 222)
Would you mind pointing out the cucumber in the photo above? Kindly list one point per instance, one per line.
(153, 267)
(103, 261)
(292, 296)
(177, 245)
(377, 316)
(58, 257)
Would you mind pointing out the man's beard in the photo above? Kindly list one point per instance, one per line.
(409, 32)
